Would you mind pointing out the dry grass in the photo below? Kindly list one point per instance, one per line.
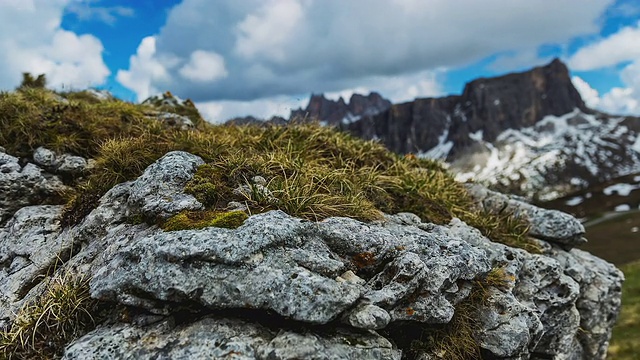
(43, 327)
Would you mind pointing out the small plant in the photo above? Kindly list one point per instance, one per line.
(44, 327)
(28, 81)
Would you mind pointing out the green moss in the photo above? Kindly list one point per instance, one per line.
(186, 220)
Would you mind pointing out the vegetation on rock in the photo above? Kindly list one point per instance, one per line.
(42, 328)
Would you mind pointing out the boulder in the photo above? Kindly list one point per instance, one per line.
(280, 287)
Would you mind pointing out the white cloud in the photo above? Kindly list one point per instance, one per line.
(220, 111)
(285, 47)
(590, 95)
(42, 46)
(144, 68)
(622, 47)
(618, 100)
(86, 11)
(204, 66)
(269, 30)
(619, 47)
(625, 100)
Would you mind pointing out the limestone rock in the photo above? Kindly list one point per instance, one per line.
(575, 296)
(59, 164)
(29, 245)
(25, 185)
(279, 287)
(158, 193)
(221, 338)
(550, 225)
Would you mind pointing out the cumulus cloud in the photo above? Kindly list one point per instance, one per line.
(204, 66)
(220, 111)
(144, 69)
(590, 95)
(291, 47)
(619, 47)
(622, 47)
(88, 10)
(68, 59)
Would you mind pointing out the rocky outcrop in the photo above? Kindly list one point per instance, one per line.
(25, 184)
(279, 287)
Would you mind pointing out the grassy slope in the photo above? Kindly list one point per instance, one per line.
(625, 342)
(616, 239)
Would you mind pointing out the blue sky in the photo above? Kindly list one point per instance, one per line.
(264, 57)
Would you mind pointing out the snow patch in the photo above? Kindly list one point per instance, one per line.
(440, 151)
(636, 145)
(349, 119)
(477, 136)
(574, 201)
(621, 189)
(622, 207)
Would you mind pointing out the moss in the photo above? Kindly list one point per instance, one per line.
(186, 220)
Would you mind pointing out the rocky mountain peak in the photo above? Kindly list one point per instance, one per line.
(517, 100)
(335, 112)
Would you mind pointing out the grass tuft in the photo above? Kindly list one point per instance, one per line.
(456, 340)
(44, 327)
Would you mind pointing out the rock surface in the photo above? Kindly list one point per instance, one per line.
(279, 287)
(24, 185)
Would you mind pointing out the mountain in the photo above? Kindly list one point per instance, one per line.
(528, 133)
(341, 113)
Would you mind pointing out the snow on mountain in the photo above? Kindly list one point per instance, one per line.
(594, 147)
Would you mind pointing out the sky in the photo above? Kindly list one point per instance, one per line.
(265, 57)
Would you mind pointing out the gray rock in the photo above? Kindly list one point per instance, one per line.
(174, 120)
(220, 338)
(159, 192)
(29, 246)
(71, 164)
(287, 274)
(23, 186)
(575, 295)
(247, 267)
(509, 328)
(550, 225)
(367, 316)
(59, 164)
(44, 157)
